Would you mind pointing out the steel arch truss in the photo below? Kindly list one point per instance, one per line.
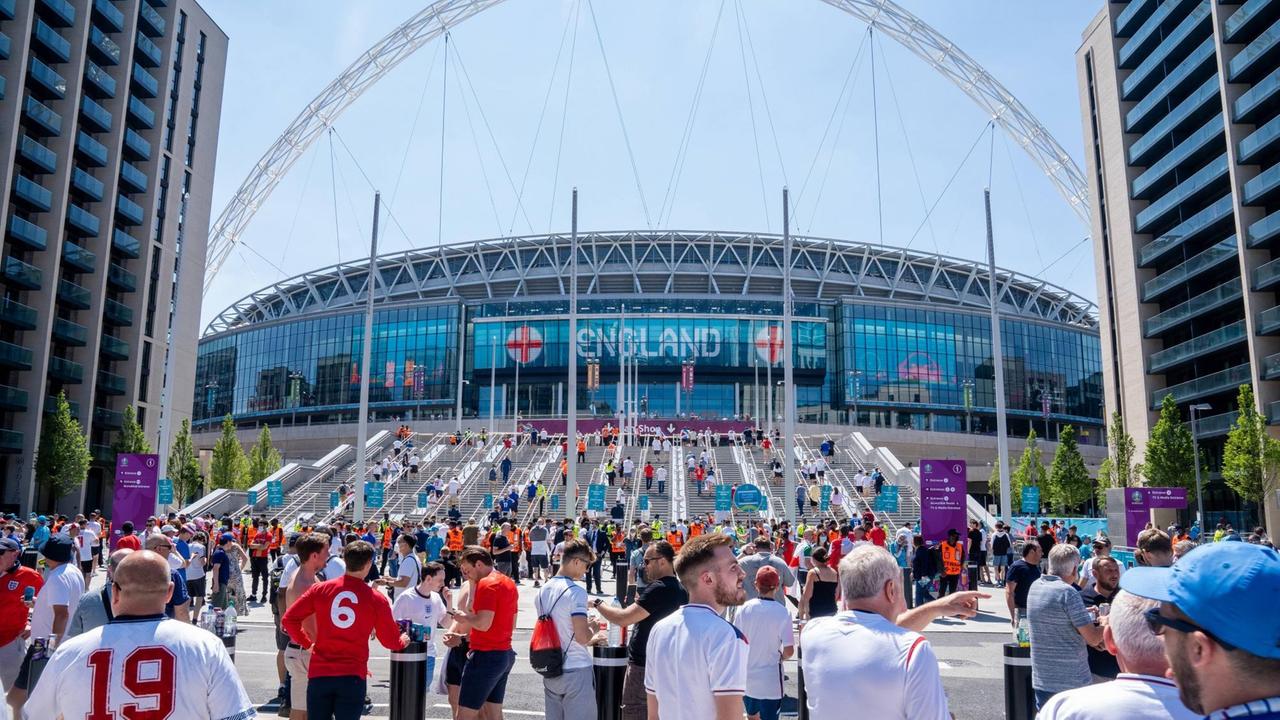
(680, 264)
(432, 21)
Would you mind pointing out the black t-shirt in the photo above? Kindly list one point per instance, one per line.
(1000, 544)
(975, 544)
(660, 598)
(1047, 541)
(1074, 540)
(1101, 663)
(1023, 574)
(500, 545)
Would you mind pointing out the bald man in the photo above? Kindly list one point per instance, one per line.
(140, 657)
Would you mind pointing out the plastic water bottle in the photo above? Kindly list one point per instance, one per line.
(615, 630)
(205, 621)
(229, 622)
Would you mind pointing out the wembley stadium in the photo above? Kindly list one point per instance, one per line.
(883, 336)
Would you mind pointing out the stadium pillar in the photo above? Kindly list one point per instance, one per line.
(997, 359)
(362, 433)
(571, 426)
(788, 375)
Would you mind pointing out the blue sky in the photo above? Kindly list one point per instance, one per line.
(796, 54)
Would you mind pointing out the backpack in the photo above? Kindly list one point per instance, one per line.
(273, 579)
(545, 652)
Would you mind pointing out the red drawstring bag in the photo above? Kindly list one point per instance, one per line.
(546, 654)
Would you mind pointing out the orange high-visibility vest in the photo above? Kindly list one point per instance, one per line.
(277, 537)
(454, 540)
(582, 446)
(695, 530)
(676, 540)
(619, 544)
(951, 558)
(386, 538)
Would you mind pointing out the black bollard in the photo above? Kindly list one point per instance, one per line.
(620, 581)
(610, 669)
(802, 700)
(409, 682)
(1019, 698)
(230, 642)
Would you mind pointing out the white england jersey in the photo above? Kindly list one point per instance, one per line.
(134, 666)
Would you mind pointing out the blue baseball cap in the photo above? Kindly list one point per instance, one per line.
(1229, 589)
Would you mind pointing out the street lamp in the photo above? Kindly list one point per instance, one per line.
(855, 390)
(967, 388)
(1195, 454)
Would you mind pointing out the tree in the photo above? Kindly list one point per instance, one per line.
(1117, 470)
(263, 458)
(1030, 470)
(1104, 482)
(1251, 458)
(1068, 477)
(993, 482)
(62, 460)
(229, 468)
(1170, 457)
(184, 466)
(131, 438)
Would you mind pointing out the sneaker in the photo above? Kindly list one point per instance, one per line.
(537, 584)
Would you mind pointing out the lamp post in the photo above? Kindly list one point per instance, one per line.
(967, 389)
(855, 391)
(1195, 454)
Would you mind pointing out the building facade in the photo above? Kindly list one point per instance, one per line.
(109, 110)
(1181, 114)
(889, 337)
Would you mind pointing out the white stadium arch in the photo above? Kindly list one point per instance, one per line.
(432, 22)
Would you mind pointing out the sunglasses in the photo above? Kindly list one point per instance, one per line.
(1156, 623)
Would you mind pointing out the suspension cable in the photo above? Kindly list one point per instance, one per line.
(444, 106)
(751, 107)
(617, 106)
(875, 133)
(306, 182)
(413, 128)
(1017, 182)
(475, 141)
(355, 161)
(835, 142)
(902, 125)
(764, 96)
(564, 114)
(333, 183)
(985, 128)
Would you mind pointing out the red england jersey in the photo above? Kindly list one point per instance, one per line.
(346, 611)
(13, 614)
(498, 593)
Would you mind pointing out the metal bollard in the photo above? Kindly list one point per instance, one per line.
(1019, 698)
(409, 682)
(802, 700)
(620, 581)
(610, 665)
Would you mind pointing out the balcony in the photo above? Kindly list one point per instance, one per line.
(110, 383)
(99, 81)
(126, 244)
(37, 156)
(144, 83)
(128, 211)
(1189, 30)
(44, 118)
(132, 178)
(20, 274)
(78, 258)
(6, 46)
(1197, 147)
(114, 348)
(92, 152)
(1262, 232)
(147, 52)
(1215, 425)
(102, 48)
(58, 12)
(52, 41)
(136, 147)
(14, 357)
(1220, 296)
(6, 9)
(12, 398)
(108, 418)
(95, 115)
(1198, 183)
(116, 314)
(1263, 186)
(1264, 141)
(1260, 100)
(139, 111)
(70, 333)
(86, 185)
(51, 406)
(73, 296)
(1273, 412)
(16, 315)
(1250, 18)
(1210, 342)
(1267, 275)
(68, 371)
(27, 234)
(43, 76)
(33, 195)
(85, 223)
(150, 21)
(1213, 257)
(121, 279)
(1256, 57)
(1268, 322)
(1198, 65)
(103, 454)
(10, 441)
(107, 11)
(1212, 384)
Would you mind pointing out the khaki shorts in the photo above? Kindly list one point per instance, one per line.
(297, 661)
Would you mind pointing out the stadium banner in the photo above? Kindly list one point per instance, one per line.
(136, 488)
(1139, 502)
(655, 426)
(943, 493)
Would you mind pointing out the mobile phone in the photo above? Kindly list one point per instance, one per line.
(29, 594)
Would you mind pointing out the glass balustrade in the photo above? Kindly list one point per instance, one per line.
(1208, 259)
(1219, 296)
(1212, 341)
(1222, 381)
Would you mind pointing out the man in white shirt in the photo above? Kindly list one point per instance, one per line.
(771, 638)
(1141, 689)
(871, 656)
(571, 695)
(410, 571)
(425, 605)
(63, 586)
(85, 541)
(710, 678)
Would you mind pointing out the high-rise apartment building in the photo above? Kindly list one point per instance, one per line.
(109, 113)
(1181, 112)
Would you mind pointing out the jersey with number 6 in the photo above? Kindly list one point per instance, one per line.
(140, 668)
(346, 610)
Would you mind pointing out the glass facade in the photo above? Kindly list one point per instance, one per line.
(885, 365)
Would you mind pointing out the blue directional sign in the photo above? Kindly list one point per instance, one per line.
(333, 499)
(555, 502)
(253, 498)
(376, 492)
(722, 498)
(488, 501)
(1031, 499)
(748, 498)
(595, 497)
(275, 493)
(887, 500)
(824, 502)
(644, 503)
(164, 491)
(423, 499)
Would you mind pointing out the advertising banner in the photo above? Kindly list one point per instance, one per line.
(376, 493)
(887, 500)
(1139, 502)
(652, 426)
(747, 498)
(943, 493)
(134, 495)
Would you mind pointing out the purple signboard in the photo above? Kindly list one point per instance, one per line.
(1139, 502)
(944, 488)
(135, 491)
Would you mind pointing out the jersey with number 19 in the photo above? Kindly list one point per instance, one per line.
(136, 667)
(346, 610)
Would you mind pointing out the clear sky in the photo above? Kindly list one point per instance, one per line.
(781, 62)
